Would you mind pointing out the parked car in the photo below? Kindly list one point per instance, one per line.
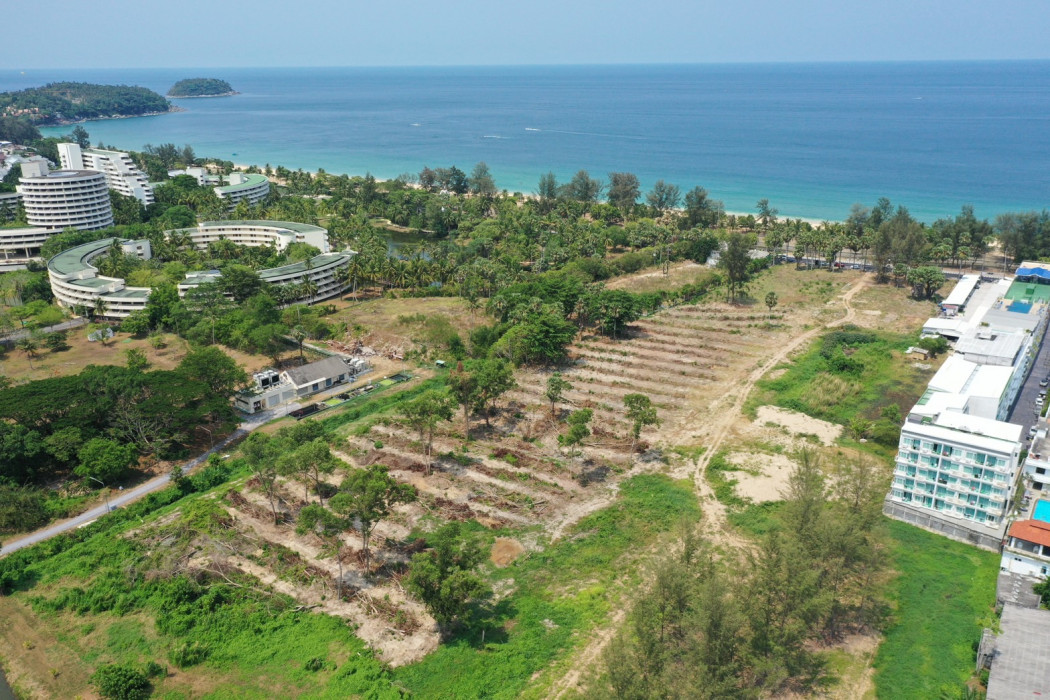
(1044, 383)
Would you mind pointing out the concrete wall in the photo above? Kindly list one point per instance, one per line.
(951, 528)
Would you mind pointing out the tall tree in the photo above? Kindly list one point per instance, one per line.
(424, 414)
(641, 412)
(735, 260)
(557, 385)
(481, 181)
(367, 496)
(624, 191)
(767, 215)
(443, 578)
(663, 197)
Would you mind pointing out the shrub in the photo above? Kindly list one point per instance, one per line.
(120, 682)
(188, 654)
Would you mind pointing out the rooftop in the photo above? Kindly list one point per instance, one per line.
(315, 371)
(963, 289)
(1031, 531)
(317, 262)
(75, 259)
(290, 225)
(249, 180)
(1020, 665)
(998, 344)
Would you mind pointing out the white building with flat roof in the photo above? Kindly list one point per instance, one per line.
(958, 462)
(122, 175)
(960, 295)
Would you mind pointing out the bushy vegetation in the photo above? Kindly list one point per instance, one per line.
(712, 629)
(852, 377)
(942, 596)
(95, 425)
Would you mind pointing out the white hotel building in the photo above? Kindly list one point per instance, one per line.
(76, 282)
(958, 462)
(122, 175)
(64, 198)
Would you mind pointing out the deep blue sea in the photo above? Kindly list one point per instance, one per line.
(812, 138)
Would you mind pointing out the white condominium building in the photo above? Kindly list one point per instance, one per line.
(64, 198)
(957, 465)
(121, 173)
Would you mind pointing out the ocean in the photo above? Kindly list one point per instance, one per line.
(812, 138)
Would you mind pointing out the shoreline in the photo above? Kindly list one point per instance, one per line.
(196, 97)
(313, 173)
(71, 122)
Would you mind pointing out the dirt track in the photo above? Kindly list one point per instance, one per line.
(714, 525)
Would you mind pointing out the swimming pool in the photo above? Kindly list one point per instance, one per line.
(1020, 307)
(1042, 511)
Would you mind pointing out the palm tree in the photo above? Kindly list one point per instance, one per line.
(300, 335)
(100, 307)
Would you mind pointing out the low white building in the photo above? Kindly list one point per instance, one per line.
(273, 388)
(1027, 549)
(956, 301)
(122, 175)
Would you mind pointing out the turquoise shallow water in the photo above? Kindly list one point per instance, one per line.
(813, 138)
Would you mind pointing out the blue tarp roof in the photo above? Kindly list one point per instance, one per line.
(1033, 272)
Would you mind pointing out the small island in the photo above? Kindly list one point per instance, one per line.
(201, 87)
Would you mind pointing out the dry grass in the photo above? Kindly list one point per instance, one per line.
(656, 281)
(82, 353)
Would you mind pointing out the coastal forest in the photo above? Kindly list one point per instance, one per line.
(637, 448)
(62, 103)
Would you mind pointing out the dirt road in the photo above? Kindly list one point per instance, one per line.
(714, 523)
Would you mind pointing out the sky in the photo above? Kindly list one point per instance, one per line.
(235, 33)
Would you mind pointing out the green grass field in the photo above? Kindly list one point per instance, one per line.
(881, 375)
(943, 596)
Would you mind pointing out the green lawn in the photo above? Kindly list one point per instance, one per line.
(943, 596)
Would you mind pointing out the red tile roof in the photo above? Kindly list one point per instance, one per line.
(1031, 531)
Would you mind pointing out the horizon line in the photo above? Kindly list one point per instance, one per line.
(619, 64)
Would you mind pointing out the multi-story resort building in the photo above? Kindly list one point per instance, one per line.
(279, 234)
(64, 198)
(75, 282)
(122, 175)
(958, 461)
(251, 187)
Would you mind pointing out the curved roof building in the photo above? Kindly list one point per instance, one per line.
(279, 234)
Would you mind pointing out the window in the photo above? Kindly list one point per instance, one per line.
(1040, 470)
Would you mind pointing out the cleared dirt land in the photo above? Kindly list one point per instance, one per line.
(698, 364)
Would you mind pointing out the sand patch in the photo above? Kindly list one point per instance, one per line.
(505, 550)
(872, 312)
(765, 478)
(800, 423)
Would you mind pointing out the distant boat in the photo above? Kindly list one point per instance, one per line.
(233, 154)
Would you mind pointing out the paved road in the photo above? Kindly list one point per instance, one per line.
(122, 498)
(1024, 411)
(15, 336)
